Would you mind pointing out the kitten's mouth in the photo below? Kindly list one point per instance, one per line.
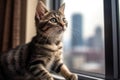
(62, 30)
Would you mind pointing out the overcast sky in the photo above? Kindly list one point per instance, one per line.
(92, 12)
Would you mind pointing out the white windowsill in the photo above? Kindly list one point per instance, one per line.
(57, 77)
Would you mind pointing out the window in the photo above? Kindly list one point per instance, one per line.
(84, 44)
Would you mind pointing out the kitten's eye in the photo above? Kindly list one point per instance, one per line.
(53, 20)
(64, 19)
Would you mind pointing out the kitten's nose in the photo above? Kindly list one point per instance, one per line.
(61, 24)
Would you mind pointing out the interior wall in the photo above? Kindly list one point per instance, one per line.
(30, 22)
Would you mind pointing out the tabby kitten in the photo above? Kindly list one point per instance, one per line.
(35, 60)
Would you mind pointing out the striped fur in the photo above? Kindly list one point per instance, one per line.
(35, 60)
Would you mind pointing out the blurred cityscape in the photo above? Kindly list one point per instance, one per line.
(85, 54)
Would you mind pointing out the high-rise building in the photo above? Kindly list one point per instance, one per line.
(77, 37)
(96, 41)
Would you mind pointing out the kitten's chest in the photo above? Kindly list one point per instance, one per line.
(48, 53)
(54, 57)
(50, 63)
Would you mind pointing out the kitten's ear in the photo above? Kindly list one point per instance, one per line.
(40, 10)
(62, 8)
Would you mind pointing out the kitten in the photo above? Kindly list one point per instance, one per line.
(35, 60)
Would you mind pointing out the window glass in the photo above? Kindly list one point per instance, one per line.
(84, 38)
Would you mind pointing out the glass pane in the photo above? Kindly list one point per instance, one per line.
(84, 38)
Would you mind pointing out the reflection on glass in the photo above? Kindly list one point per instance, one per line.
(84, 38)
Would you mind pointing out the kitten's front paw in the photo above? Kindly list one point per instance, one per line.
(73, 77)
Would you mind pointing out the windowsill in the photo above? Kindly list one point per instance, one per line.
(57, 77)
(88, 77)
(82, 77)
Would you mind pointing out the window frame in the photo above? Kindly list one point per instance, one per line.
(112, 43)
(111, 39)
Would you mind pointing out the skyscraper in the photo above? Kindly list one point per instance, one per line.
(77, 37)
(96, 41)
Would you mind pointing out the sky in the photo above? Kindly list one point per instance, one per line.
(92, 12)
